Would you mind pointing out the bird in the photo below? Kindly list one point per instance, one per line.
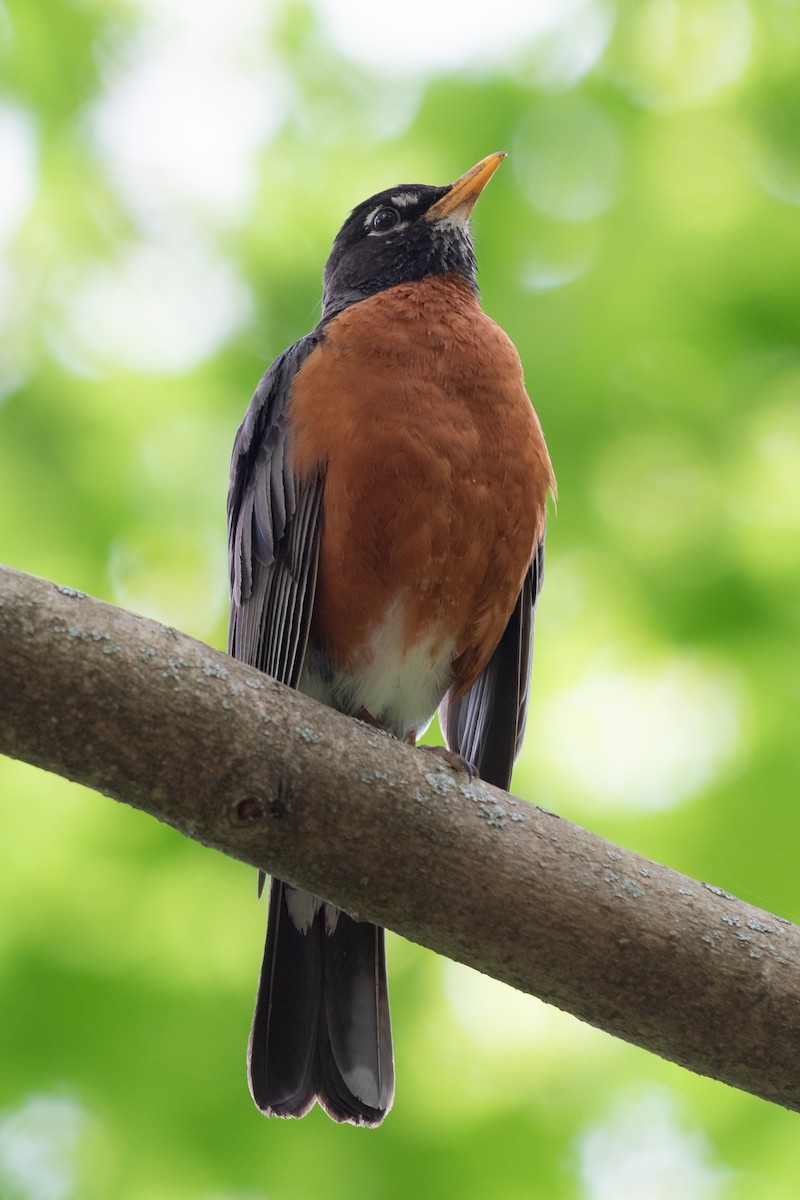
(386, 531)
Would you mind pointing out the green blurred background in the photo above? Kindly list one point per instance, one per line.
(171, 177)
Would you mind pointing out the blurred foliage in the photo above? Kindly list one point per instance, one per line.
(171, 177)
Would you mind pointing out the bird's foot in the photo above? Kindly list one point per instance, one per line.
(366, 718)
(456, 761)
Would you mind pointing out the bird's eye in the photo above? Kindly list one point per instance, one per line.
(385, 219)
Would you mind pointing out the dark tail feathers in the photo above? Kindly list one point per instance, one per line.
(321, 1029)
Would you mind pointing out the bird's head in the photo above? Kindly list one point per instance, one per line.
(404, 234)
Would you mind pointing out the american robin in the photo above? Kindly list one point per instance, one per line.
(386, 522)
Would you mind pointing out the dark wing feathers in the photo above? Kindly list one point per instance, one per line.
(274, 523)
(486, 726)
(321, 1026)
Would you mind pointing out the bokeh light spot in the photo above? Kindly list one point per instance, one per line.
(19, 170)
(643, 1151)
(561, 55)
(560, 253)
(765, 480)
(773, 150)
(173, 573)
(567, 158)
(39, 1144)
(569, 34)
(503, 1020)
(161, 307)
(185, 113)
(684, 52)
(644, 737)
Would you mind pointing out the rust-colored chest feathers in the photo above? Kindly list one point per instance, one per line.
(436, 477)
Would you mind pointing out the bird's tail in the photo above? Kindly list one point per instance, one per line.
(321, 1029)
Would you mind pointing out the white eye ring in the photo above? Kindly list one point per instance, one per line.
(383, 220)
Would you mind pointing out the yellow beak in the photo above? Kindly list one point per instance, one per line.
(464, 193)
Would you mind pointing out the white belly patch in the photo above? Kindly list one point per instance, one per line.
(400, 689)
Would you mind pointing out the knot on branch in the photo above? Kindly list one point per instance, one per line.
(248, 811)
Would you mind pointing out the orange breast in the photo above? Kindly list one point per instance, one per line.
(436, 473)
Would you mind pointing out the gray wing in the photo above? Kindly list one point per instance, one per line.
(487, 724)
(274, 524)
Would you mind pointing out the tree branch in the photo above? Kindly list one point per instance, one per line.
(231, 758)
